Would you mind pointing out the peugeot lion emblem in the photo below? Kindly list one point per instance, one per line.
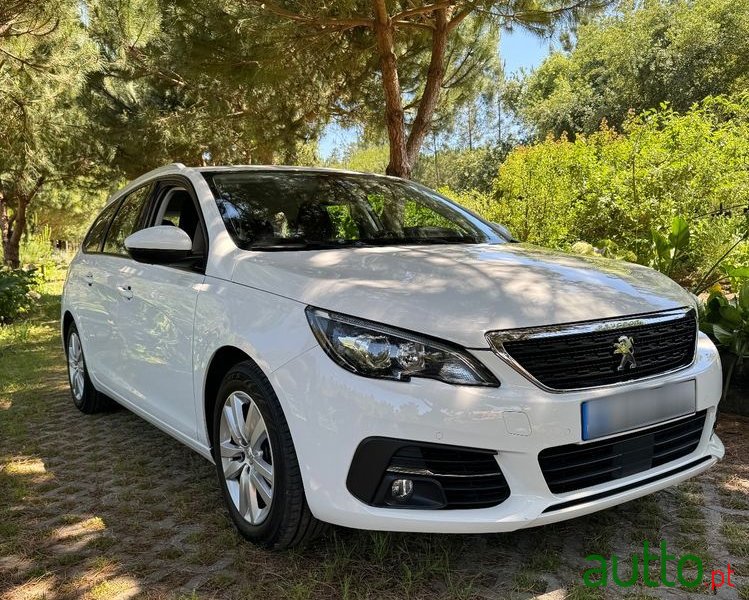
(625, 346)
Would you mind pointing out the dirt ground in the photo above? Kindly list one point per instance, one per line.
(108, 507)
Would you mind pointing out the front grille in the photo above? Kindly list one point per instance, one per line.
(578, 466)
(564, 359)
(470, 479)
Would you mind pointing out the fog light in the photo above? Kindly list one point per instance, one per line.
(402, 489)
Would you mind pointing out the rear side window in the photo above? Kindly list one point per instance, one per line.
(95, 235)
(126, 221)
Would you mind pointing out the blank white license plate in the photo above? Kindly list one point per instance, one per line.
(639, 408)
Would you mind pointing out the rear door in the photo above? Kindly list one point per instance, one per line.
(86, 294)
(157, 318)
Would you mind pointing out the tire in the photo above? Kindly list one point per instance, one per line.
(85, 396)
(256, 463)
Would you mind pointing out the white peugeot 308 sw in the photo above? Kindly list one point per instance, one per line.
(358, 350)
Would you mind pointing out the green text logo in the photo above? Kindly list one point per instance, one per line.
(652, 576)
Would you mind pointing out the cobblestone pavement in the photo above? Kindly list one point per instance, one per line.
(107, 506)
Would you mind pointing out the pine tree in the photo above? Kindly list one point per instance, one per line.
(368, 45)
(45, 57)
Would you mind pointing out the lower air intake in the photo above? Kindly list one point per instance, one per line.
(442, 476)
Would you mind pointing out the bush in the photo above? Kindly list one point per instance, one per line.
(622, 186)
(17, 295)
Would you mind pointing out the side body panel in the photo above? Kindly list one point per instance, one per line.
(272, 330)
(96, 307)
(157, 335)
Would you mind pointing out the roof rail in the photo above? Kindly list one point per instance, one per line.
(179, 165)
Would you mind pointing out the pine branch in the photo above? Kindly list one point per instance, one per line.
(324, 22)
(542, 14)
(423, 10)
(417, 24)
(461, 15)
(23, 61)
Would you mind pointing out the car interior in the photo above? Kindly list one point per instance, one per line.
(176, 208)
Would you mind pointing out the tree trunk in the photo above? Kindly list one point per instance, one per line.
(13, 227)
(399, 164)
(12, 231)
(5, 226)
(431, 95)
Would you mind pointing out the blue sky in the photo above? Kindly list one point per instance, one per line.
(518, 50)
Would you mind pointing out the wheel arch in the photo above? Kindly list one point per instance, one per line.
(67, 321)
(222, 361)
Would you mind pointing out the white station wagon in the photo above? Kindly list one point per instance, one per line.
(358, 350)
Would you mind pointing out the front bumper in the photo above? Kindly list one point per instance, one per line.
(330, 411)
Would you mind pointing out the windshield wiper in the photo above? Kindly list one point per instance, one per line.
(299, 245)
(293, 244)
(435, 240)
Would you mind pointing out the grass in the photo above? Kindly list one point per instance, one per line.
(95, 506)
(691, 519)
(529, 582)
(736, 532)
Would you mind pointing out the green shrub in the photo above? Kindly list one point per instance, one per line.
(725, 318)
(17, 295)
(623, 186)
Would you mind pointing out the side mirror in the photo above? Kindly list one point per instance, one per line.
(159, 245)
(504, 232)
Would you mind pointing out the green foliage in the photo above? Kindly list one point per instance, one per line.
(624, 186)
(670, 247)
(460, 169)
(67, 212)
(42, 73)
(365, 158)
(675, 51)
(726, 320)
(17, 295)
(605, 248)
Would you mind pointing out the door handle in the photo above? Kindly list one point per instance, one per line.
(89, 278)
(125, 291)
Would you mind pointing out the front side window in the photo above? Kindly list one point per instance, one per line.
(276, 210)
(95, 235)
(126, 221)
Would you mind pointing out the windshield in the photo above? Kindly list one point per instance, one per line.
(286, 210)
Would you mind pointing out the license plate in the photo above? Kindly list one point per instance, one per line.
(639, 408)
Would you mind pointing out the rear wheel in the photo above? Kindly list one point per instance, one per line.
(256, 463)
(85, 396)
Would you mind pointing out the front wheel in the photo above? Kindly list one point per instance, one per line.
(256, 463)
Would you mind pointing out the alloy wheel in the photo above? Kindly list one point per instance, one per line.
(76, 366)
(246, 457)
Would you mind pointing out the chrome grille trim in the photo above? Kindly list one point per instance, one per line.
(497, 339)
(428, 473)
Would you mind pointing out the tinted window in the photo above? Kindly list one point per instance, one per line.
(125, 221)
(292, 210)
(98, 230)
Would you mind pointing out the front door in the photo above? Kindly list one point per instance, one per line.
(156, 319)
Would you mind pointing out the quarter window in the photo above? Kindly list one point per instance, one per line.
(126, 221)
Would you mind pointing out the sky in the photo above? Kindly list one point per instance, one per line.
(518, 49)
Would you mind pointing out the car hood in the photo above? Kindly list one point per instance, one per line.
(459, 292)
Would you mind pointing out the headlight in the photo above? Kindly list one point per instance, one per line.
(374, 350)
